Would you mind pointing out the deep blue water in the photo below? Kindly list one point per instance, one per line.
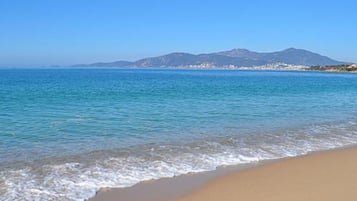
(71, 131)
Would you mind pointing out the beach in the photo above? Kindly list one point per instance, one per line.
(178, 101)
(323, 176)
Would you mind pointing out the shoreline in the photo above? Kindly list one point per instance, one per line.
(170, 188)
(197, 186)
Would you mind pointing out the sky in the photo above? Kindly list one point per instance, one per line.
(66, 32)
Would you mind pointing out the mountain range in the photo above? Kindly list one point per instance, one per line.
(231, 58)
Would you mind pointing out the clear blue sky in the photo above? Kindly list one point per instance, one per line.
(48, 32)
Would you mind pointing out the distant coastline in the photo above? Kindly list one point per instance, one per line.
(344, 68)
(352, 68)
(240, 59)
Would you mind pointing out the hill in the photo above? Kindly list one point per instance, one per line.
(234, 58)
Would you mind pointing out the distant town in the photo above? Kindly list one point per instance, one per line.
(278, 66)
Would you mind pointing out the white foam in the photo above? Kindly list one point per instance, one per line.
(69, 180)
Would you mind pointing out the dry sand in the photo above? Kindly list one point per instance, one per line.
(327, 176)
(324, 176)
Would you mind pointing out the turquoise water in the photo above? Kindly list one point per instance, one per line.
(65, 133)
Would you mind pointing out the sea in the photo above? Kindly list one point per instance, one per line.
(65, 133)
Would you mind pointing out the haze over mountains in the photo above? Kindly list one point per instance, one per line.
(231, 58)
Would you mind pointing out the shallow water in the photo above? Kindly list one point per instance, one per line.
(65, 133)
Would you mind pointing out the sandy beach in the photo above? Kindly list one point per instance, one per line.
(323, 176)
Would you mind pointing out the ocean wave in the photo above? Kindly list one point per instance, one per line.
(78, 177)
